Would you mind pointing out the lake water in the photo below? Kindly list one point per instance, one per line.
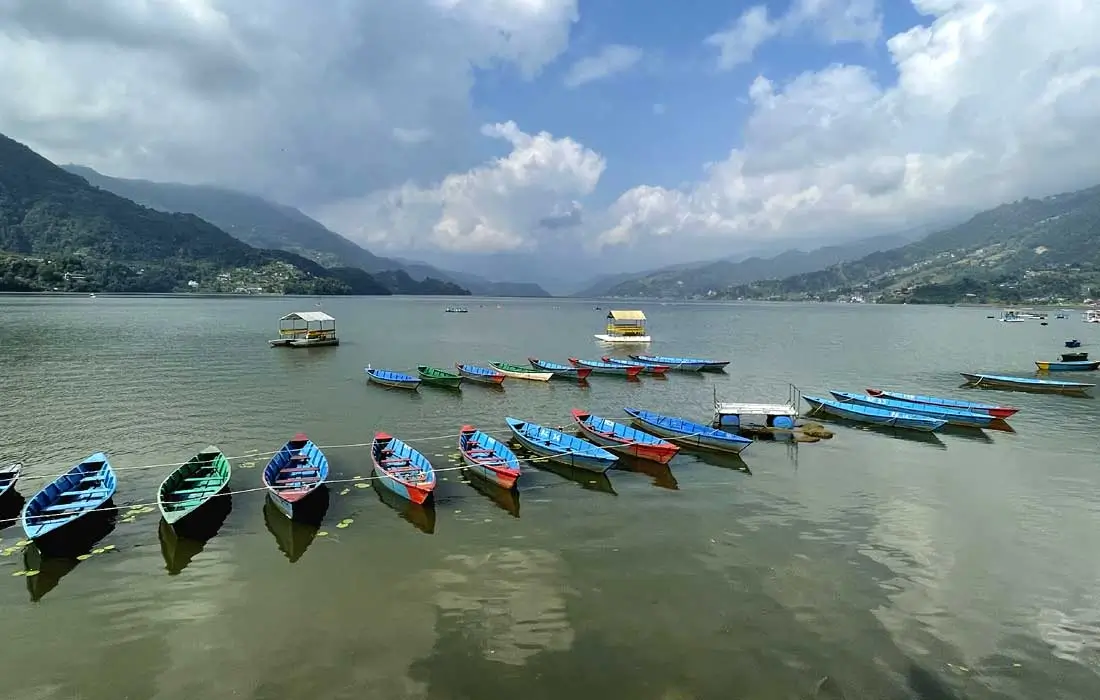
(963, 566)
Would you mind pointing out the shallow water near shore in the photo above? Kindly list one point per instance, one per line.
(959, 566)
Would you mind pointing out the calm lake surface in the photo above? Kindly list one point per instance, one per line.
(963, 566)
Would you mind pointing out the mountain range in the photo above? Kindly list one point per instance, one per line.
(265, 224)
(1036, 250)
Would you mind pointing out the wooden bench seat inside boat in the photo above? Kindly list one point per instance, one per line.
(304, 477)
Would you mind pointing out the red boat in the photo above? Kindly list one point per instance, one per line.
(623, 439)
(1000, 412)
(488, 457)
(658, 370)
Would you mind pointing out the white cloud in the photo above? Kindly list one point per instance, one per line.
(611, 60)
(494, 207)
(994, 100)
(833, 21)
(301, 101)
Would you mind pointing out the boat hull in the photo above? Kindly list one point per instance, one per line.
(530, 375)
(488, 458)
(886, 419)
(420, 483)
(607, 368)
(494, 378)
(1001, 412)
(598, 463)
(410, 492)
(392, 383)
(1068, 366)
(698, 436)
(661, 453)
(644, 368)
(438, 378)
(560, 371)
(684, 363)
(625, 339)
(1035, 386)
(57, 510)
(957, 417)
(187, 492)
(295, 477)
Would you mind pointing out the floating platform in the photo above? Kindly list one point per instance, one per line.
(763, 420)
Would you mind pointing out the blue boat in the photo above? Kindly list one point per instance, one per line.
(401, 469)
(1038, 386)
(685, 432)
(562, 371)
(953, 416)
(621, 438)
(1073, 343)
(296, 472)
(643, 367)
(481, 375)
(9, 474)
(561, 447)
(61, 504)
(600, 367)
(396, 380)
(692, 364)
(1068, 366)
(488, 457)
(874, 416)
(996, 411)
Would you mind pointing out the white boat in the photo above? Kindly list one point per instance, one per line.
(1091, 316)
(624, 327)
(306, 329)
(1010, 316)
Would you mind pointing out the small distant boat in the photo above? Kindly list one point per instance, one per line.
(456, 310)
(1011, 317)
(1001, 412)
(521, 372)
(296, 472)
(64, 501)
(192, 485)
(488, 457)
(875, 416)
(402, 469)
(953, 416)
(686, 432)
(623, 439)
(683, 363)
(656, 370)
(625, 327)
(1067, 365)
(678, 367)
(481, 375)
(1073, 343)
(1074, 356)
(598, 367)
(561, 447)
(9, 474)
(439, 377)
(395, 380)
(1039, 386)
(560, 371)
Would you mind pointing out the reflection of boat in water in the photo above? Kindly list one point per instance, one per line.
(51, 569)
(661, 474)
(508, 499)
(724, 460)
(179, 546)
(294, 536)
(421, 516)
(589, 480)
(11, 504)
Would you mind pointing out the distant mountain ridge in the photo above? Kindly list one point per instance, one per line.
(267, 224)
(1028, 250)
(711, 278)
(59, 232)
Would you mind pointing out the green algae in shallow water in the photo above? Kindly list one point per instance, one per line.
(246, 465)
(22, 543)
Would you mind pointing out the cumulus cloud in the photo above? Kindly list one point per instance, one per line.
(992, 101)
(611, 60)
(301, 101)
(494, 207)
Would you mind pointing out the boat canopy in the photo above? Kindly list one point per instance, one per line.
(626, 316)
(308, 324)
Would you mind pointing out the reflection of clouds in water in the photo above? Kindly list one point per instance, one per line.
(514, 596)
(1074, 637)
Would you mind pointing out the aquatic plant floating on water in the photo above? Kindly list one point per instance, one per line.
(362, 486)
(246, 465)
(345, 492)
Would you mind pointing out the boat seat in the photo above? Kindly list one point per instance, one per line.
(91, 478)
(309, 479)
(480, 451)
(198, 489)
(84, 494)
(199, 480)
(75, 504)
(395, 460)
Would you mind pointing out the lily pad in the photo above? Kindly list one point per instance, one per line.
(362, 486)
(358, 477)
(83, 557)
(246, 465)
(342, 526)
(348, 520)
(322, 533)
(108, 547)
(22, 543)
(31, 572)
(19, 573)
(98, 550)
(345, 492)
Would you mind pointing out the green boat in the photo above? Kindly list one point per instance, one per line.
(192, 485)
(438, 377)
(521, 371)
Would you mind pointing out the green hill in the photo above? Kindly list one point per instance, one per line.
(59, 232)
(1031, 250)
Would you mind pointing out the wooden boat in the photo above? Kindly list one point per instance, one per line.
(521, 372)
(953, 416)
(481, 375)
(598, 367)
(678, 367)
(60, 505)
(1067, 365)
(296, 473)
(395, 380)
(685, 432)
(1073, 343)
(1074, 356)
(688, 364)
(488, 457)
(560, 371)
(623, 439)
(1001, 412)
(9, 474)
(874, 416)
(191, 486)
(401, 469)
(1038, 386)
(561, 447)
(435, 376)
(656, 370)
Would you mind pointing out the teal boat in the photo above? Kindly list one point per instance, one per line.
(953, 416)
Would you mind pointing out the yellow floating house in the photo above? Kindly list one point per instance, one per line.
(306, 329)
(625, 327)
